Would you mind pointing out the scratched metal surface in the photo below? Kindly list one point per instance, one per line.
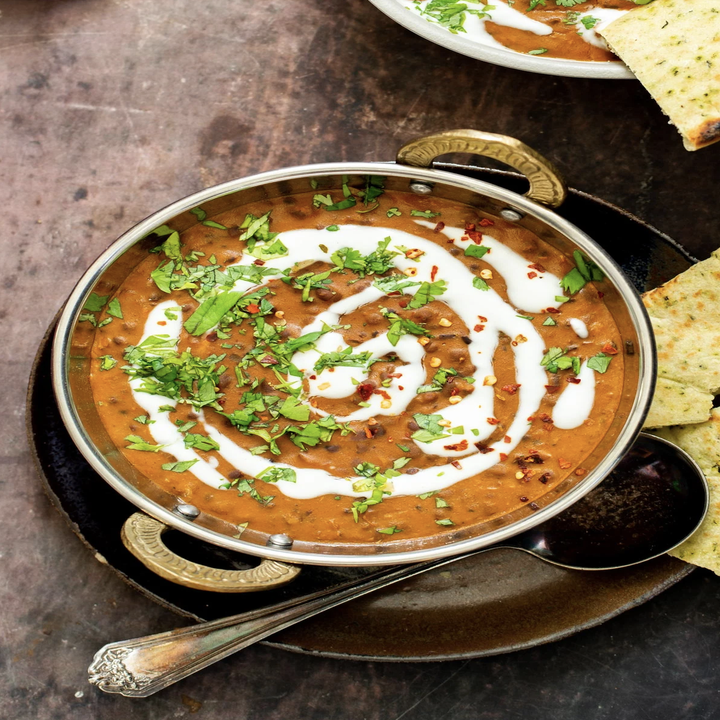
(111, 108)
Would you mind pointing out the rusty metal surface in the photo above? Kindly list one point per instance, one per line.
(110, 109)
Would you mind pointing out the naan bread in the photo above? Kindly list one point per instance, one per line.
(673, 47)
(702, 442)
(685, 315)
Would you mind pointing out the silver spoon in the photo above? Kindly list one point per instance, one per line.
(653, 501)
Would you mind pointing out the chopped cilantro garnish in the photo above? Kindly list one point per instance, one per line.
(538, 51)
(429, 428)
(393, 212)
(95, 302)
(400, 326)
(440, 503)
(584, 272)
(200, 442)
(137, 443)
(389, 530)
(480, 284)
(476, 251)
(343, 358)
(274, 474)
(549, 321)
(179, 467)
(424, 213)
(599, 362)
(107, 362)
(114, 309)
(427, 292)
(444, 521)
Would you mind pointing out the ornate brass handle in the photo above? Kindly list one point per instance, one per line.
(141, 535)
(546, 184)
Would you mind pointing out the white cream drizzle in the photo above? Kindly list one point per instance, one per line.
(504, 14)
(529, 294)
(574, 405)
(579, 327)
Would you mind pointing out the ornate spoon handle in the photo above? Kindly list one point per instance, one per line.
(141, 667)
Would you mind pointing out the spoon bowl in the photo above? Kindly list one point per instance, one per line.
(653, 501)
(656, 497)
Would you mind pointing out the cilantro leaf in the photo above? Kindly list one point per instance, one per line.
(480, 284)
(178, 467)
(427, 292)
(107, 362)
(95, 302)
(137, 443)
(599, 362)
(200, 442)
(211, 311)
(273, 474)
(476, 251)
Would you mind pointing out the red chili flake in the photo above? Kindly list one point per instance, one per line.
(454, 391)
(545, 477)
(580, 471)
(531, 418)
(259, 262)
(211, 337)
(404, 303)
(545, 417)
(493, 421)
(574, 381)
(601, 295)
(384, 393)
(551, 389)
(456, 465)
(503, 457)
(476, 237)
(523, 498)
(162, 322)
(479, 328)
(552, 311)
(439, 226)
(538, 267)
(482, 319)
(252, 308)
(462, 445)
(507, 439)
(433, 273)
(469, 226)
(368, 433)
(483, 448)
(532, 275)
(313, 377)
(609, 349)
(511, 389)
(400, 387)
(486, 223)
(365, 390)
(221, 401)
(564, 464)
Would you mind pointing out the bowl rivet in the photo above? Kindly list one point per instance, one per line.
(511, 215)
(280, 540)
(421, 188)
(188, 511)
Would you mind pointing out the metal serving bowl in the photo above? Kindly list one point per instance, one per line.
(412, 172)
(460, 43)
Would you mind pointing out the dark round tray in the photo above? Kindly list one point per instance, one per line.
(493, 603)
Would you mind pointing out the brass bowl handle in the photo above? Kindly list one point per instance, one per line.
(141, 535)
(546, 184)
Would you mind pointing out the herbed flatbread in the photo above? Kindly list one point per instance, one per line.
(685, 315)
(702, 442)
(673, 47)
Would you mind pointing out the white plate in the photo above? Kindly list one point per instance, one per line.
(499, 56)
